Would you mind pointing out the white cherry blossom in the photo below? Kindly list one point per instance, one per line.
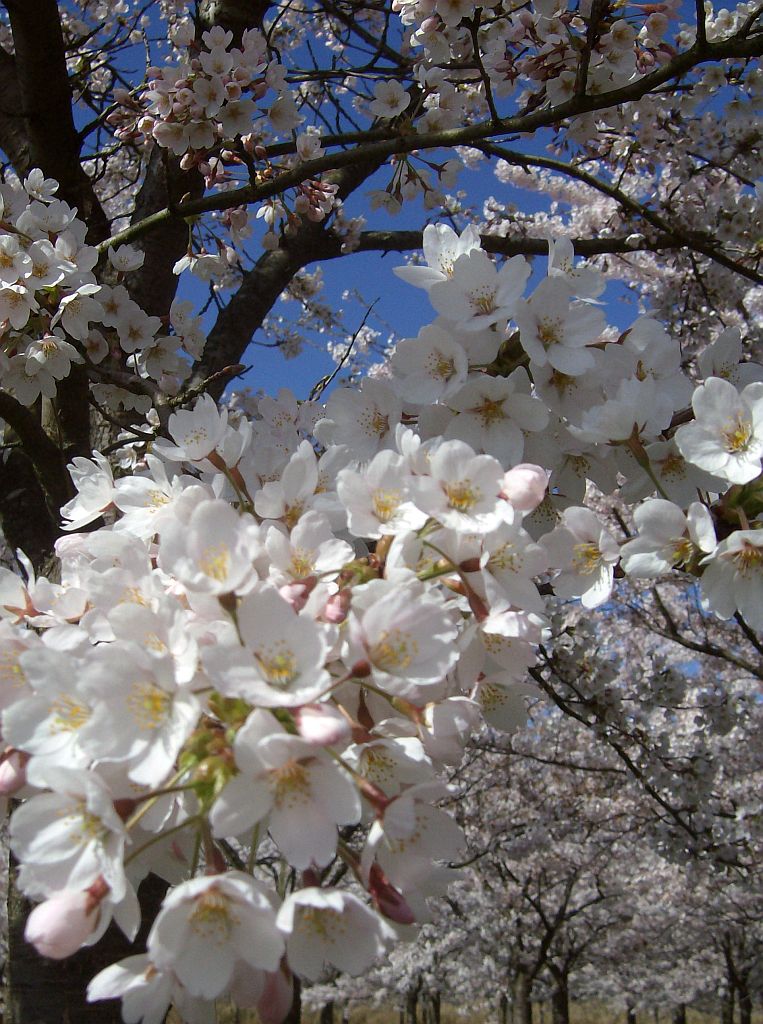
(726, 436)
(477, 294)
(207, 924)
(331, 927)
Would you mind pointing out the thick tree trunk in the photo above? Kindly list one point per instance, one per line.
(327, 1013)
(521, 1007)
(727, 1006)
(411, 1006)
(745, 1002)
(630, 1015)
(430, 1007)
(679, 1014)
(560, 1003)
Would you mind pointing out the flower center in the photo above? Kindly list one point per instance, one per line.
(385, 504)
(292, 514)
(290, 783)
(11, 672)
(69, 714)
(279, 668)
(505, 557)
(682, 553)
(321, 921)
(549, 331)
(462, 496)
(215, 561)
(748, 559)
(562, 382)
(148, 705)
(586, 558)
(737, 437)
(672, 466)
(440, 366)
(301, 564)
(212, 918)
(393, 650)
(377, 766)
(483, 300)
(491, 411)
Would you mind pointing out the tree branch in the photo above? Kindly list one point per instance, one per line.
(685, 239)
(405, 241)
(237, 322)
(396, 142)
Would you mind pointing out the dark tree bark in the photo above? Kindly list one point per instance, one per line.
(27, 525)
(679, 1014)
(410, 1007)
(46, 107)
(745, 1000)
(430, 1007)
(153, 286)
(13, 136)
(521, 1007)
(728, 1001)
(560, 1002)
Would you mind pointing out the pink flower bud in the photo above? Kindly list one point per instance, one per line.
(525, 486)
(337, 607)
(59, 926)
(297, 592)
(322, 725)
(13, 772)
(389, 901)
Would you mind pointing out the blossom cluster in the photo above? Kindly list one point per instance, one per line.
(56, 315)
(192, 106)
(291, 625)
(539, 46)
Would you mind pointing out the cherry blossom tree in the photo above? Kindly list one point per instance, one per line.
(249, 638)
(570, 890)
